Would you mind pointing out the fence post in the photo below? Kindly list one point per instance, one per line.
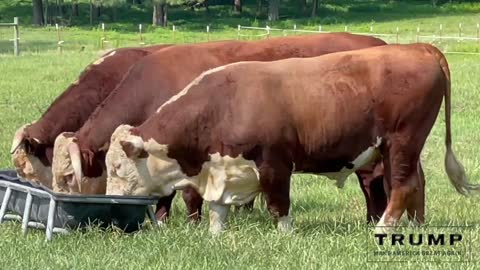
(16, 37)
(460, 30)
(478, 32)
(441, 29)
(208, 32)
(397, 36)
(59, 39)
(238, 32)
(371, 28)
(173, 32)
(418, 33)
(320, 28)
(102, 40)
(268, 31)
(140, 34)
(346, 28)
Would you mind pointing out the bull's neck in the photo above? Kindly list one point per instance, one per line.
(188, 126)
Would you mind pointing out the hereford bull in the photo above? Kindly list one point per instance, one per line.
(153, 81)
(32, 146)
(246, 127)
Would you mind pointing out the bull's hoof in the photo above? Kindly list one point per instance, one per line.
(284, 224)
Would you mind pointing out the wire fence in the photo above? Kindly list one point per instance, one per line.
(59, 38)
(465, 43)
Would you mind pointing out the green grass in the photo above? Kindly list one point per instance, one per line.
(329, 223)
(330, 231)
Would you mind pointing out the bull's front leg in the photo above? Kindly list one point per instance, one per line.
(275, 183)
(218, 214)
(164, 205)
(194, 202)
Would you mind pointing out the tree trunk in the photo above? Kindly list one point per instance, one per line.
(259, 7)
(60, 8)
(114, 13)
(37, 12)
(273, 9)
(159, 15)
(303, 3)
(314, 8)
(237, 5)
(75, 10)
(94, 12)
(46, 19)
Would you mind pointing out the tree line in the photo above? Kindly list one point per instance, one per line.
(53, 11)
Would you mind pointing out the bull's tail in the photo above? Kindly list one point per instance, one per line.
(455, 170)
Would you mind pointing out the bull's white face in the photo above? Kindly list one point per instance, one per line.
(135, 174)
(64, 180)
(31, 168)
(147, 170)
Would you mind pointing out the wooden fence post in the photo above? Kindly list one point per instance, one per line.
(140, 34)
(102, 40)
(418, 33)
(16, 37)
(208, 33)
(478, 33)
(397, 36)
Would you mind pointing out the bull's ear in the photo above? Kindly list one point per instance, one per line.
(133, 150)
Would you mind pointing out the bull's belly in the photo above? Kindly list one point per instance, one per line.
(364, 159)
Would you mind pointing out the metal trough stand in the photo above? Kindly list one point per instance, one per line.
(10, 184)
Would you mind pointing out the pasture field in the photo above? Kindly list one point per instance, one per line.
(329, 223)
(330, 230)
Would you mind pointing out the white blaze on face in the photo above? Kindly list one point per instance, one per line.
(155, 175)
(222, 179)
(63, 174)
(365, 158)
(101, 59)
(31, 168)
(122, 174)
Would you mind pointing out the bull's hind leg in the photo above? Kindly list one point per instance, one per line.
(275, 183)
(400, 159)
(416, 206)
(371, 181)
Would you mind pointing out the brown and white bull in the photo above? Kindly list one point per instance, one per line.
(32, 146)
(153, 81)
(244, 128)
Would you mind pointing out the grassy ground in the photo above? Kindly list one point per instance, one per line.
(330, 231)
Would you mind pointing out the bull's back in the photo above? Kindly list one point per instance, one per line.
(321, 102)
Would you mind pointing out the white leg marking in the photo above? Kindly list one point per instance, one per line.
(285, 224)
(385, 224)
(217, 214)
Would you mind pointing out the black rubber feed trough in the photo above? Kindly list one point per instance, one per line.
(39, 207)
